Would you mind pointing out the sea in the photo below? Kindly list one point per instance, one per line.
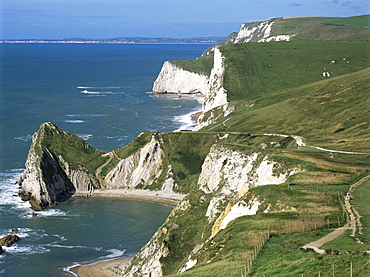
(101, 92)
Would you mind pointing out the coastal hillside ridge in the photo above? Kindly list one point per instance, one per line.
(283, 134)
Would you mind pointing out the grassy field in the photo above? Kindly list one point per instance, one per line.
(201, 65)
(74, 149)
(361, 241)
(331, 113)
(258, 68)
(270, 244)
(362, 20)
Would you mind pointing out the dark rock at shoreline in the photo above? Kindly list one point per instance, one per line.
(1, 250)
(8, 240)
(15, 230)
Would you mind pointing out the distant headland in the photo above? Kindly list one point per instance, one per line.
(126, 40)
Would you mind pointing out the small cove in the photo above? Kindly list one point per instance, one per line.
(102, 93)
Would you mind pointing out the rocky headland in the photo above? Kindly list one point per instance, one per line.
(245, 173)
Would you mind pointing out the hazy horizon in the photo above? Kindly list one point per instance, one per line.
(59, 19)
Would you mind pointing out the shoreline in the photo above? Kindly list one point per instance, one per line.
(98, 268)
(159, 197)
(112, 267)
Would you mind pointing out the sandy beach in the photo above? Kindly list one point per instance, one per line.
(161, 197)
(110, 268)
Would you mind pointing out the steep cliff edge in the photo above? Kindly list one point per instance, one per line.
(173, 79)
(60, 164)
(221, 196)
(296, 28)
(49, 178)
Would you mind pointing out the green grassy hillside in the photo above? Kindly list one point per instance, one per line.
(361, 20)
(258, 68)
(201, 65)
(316, 87)
(333, 113)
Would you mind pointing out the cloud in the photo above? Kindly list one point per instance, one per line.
(356, 8)
(296, 4)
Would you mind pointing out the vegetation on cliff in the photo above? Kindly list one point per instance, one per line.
(255, 192)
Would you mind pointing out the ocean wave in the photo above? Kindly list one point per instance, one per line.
(82, 87)
(85, 136)
(52, 212)
(96, 92)
(114, 253)
(26, 233)
(68, 246)
(185, 121)
(9, 191)
(24, 138)
(76, 121)
(25, 249)
(60, 237)
(85, 115)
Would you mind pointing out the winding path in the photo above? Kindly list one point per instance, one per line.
(353, 223)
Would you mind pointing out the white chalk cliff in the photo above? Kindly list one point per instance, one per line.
(227, 176)
(141, 168)
(261, 32)
(255, 32)
(36, 185)
(173, 79)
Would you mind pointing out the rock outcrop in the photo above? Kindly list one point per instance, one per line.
(58, 166)
(225, 180)
(259, 32)
(138, 170)
(254, 32)
(48, 178)
(8, 240)
(173, 79)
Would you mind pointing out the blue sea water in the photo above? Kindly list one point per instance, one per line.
(102, 93)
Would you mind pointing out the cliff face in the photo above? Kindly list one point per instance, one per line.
(44, 182)
(173, 79)
(254, 32)
(140, 169)
(223, 193)
(259, 32)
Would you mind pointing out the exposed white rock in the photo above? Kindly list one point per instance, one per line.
(259, 33)
(240, 209)
(36, 185)
(173, 79)
(83, 181)
(228, 175)
(141, 168)
(214, 115)
(216, 94)
(277, 38)
(148, 259)
(189, 264)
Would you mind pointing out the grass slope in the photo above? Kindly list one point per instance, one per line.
(202, 65)
(258, 68)
(75, 150)
(333, 113)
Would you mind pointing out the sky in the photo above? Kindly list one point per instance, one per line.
(57, 19)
